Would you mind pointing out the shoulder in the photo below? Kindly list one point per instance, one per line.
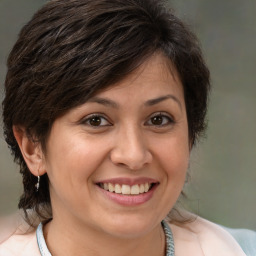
(20, 240)
(246, 239)
(20, 245)
(206, 238)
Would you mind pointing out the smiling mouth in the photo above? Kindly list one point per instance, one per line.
(125, 189)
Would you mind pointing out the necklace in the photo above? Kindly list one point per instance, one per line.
(45, 252)
(168, 239)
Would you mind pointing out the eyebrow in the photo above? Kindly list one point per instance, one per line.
(155, 101)
(103, 101)
(110, 103)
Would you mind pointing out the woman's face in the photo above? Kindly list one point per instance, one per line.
(117, 163)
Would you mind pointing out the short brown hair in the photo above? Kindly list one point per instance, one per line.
(71, 49)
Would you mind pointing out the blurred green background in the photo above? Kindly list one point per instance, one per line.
(222, 187)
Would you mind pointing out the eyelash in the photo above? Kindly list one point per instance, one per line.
(94, 116)
(168, 120)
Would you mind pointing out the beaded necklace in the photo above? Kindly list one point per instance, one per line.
(45, 252)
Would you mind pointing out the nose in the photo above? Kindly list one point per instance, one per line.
(130, 149)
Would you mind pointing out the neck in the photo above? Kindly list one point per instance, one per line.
(77, 240)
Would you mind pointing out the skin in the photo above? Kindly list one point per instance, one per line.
(141, 131)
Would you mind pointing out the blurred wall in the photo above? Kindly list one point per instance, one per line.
(223, 171)
(13, 15)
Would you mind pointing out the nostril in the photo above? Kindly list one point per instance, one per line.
(131, 154)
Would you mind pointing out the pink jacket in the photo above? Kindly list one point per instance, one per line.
(201, 237)
(20, 245)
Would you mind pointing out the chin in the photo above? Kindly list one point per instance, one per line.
(130, 226)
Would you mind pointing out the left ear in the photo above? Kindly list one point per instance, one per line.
(31, 151)
(191, 144)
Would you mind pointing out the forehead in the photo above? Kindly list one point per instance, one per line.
(155, 78)
(156, 75)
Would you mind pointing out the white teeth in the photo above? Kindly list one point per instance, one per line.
(142, 188)
(146, 187)
(135, 190)
(105, 186)
(118, 189)
(111, 187)
(126, 189)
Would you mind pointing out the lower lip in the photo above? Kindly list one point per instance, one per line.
(130, 200)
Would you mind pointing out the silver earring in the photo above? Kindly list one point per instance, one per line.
(38, 183)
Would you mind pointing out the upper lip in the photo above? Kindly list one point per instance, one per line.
(128, 181)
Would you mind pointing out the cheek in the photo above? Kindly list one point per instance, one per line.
(173, 155)
(74, 157)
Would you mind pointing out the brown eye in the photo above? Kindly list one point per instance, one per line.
(95, 121)
(157, 120)
(160, 120)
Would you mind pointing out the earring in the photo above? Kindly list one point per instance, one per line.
(38, 183)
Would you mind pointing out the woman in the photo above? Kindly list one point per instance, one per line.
(104, 101)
